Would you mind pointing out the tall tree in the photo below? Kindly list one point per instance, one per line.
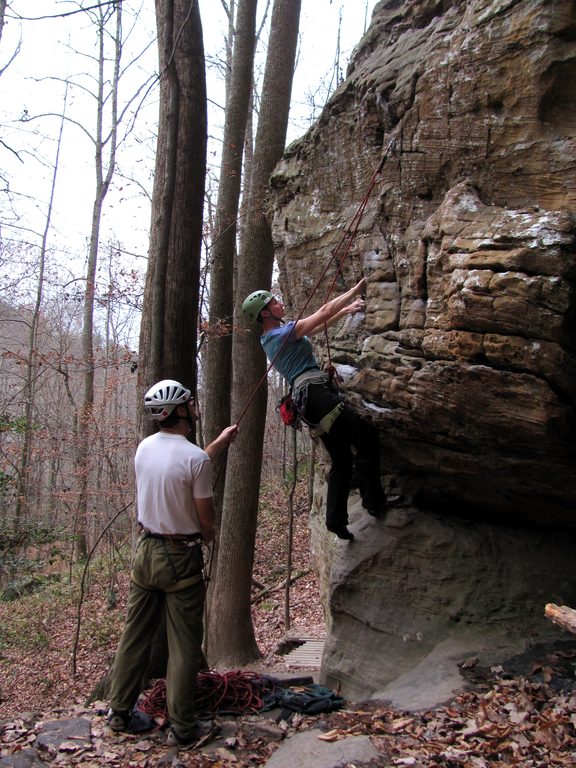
(104, 172)
(32, 358)
(235, 643)
(170, 310)
(170, 306)
(218, 359)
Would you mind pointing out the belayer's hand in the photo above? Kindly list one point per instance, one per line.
(223, 440)
(229, 434)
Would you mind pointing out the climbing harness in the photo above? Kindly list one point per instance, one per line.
(344, 244)
(309, 699)
(294, 404)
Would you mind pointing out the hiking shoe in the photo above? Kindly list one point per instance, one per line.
(342, 533)
(117, 720)
(201, 734)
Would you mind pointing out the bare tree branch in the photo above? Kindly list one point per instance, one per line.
(3, 143)
(16, 50)
(19, 17)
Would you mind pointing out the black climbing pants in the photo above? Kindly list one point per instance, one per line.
(350, 442)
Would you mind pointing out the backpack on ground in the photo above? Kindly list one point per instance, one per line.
(308, 700)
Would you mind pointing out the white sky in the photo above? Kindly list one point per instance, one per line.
(53, 49)
(317, 51)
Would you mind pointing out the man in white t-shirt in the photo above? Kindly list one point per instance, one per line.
(176, 513)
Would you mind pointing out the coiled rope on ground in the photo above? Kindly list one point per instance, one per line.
(233, 693)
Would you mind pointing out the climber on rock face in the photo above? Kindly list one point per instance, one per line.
(289, 350)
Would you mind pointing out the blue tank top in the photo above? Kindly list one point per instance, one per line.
(290, 356)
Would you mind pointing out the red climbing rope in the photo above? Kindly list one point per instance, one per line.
(348, 238)
(233, 693)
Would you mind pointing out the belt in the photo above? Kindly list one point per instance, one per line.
(177, 536)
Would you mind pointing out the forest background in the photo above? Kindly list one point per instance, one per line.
(81, 215)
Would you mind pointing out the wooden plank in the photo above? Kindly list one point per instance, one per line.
(307, 655)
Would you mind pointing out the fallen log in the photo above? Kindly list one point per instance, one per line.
(276, 587)
(562, 615)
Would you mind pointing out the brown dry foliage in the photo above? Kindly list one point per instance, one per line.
(37, 632)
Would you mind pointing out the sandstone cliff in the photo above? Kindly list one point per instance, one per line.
(465, 359)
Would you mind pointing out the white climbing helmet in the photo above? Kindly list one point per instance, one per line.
(162, 398)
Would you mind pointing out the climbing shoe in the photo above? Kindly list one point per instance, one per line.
(342, 533)
(379, 509)
(200, 734)
(117, 720)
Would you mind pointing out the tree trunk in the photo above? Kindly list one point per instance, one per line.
(170, 309)
(103, 179)
(290, 533)
(2, 15)
(235, 643)
(218, 369)
(22, 500)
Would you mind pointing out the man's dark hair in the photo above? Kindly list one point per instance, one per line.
(171, 420)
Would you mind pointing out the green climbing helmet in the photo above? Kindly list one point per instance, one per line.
(255, 303)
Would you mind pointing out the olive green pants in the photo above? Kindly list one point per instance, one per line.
(166, 579)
